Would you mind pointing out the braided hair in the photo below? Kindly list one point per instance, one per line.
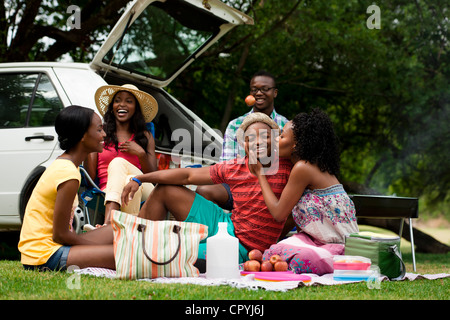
(316, 141)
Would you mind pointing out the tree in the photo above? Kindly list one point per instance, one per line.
(37, 30)
(387, 90)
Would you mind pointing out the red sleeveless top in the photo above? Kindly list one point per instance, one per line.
(108, 154)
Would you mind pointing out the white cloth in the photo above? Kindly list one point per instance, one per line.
(249, 282)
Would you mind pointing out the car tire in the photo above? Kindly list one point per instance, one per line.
(28, 188)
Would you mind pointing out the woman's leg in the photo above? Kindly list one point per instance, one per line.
(119, 173)
(83, 256)
(99, 254)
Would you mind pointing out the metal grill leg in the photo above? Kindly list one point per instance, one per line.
(412, 244)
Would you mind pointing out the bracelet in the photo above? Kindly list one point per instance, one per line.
(136, 180)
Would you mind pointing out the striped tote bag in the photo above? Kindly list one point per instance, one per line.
(152, 249)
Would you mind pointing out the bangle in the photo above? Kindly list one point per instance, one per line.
(136, 180)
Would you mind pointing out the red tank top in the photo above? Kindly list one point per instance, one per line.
(105, 157)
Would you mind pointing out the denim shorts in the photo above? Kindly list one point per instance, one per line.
(210, 214)
(57, 261)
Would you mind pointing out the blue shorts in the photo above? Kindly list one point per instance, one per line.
(229, 204)
(57, 261)
(210, 214)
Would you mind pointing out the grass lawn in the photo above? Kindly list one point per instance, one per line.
(18, 284)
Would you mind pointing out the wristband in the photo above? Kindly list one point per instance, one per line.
(136, 180)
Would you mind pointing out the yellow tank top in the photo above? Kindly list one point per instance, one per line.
(36, 243)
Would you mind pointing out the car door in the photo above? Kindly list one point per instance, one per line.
(154, 41)
(29, 104)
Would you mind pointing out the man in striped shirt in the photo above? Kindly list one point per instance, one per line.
(263, 88)
(250, 220)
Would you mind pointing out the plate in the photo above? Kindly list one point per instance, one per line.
(277, 276)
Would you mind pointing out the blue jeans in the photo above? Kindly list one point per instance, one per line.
(57, 261)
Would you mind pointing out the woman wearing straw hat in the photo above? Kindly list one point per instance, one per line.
(129, 146)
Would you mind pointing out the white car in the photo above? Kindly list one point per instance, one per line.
(149, 46)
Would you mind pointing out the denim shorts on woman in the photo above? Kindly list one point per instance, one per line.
(57, 261)
(210, 214)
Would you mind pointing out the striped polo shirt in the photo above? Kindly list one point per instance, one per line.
(254, 225)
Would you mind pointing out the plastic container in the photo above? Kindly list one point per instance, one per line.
(222, 255)
(351, 263)
(352, 275)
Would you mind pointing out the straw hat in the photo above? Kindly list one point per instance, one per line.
(104, 95)
(251, 119)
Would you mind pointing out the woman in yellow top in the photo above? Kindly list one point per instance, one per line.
(47, 240)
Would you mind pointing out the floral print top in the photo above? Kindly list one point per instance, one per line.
(326, 215)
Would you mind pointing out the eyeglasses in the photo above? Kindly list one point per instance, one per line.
(263, 90)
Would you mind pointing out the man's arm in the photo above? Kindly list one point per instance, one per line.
(181, 176)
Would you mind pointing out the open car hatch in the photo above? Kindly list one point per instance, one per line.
(155, 40)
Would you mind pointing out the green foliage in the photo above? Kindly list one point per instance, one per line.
(387, 90)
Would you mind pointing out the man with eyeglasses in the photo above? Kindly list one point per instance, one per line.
(263, 88)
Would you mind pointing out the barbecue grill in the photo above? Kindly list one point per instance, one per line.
(389, 207)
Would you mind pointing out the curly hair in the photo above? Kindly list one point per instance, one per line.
(316, 141)
(137, 127)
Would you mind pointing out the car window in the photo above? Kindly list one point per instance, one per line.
(16, 91)
(162, 38)
(16, 97)
(46, 104)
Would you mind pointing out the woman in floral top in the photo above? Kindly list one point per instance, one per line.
(321, 208)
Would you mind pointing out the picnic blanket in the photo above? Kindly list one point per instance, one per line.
(249, 282)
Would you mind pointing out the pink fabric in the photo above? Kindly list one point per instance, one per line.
(304, 255)
(105, 157)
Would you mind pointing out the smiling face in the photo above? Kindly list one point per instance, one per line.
(258, 139)
(94, 136)
(124, 106)
(264, 100)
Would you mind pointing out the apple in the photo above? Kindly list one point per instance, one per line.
(250, 100)
(266, 266)
(275, 258)
(255, 254)
(281, 266)
(253, 266)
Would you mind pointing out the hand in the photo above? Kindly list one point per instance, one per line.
(131, 147)
(254, 166)
(129, 191)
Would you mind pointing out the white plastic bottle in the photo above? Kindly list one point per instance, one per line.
(222, 255)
